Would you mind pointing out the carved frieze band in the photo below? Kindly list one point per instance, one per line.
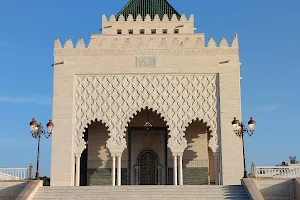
(192, 52)
(114, 99)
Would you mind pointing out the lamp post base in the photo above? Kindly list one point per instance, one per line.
(37, 176)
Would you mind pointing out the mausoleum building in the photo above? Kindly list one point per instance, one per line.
(146, 102)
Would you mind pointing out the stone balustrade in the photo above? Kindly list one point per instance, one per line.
(276, 171)
(291, 173)
(14, 173)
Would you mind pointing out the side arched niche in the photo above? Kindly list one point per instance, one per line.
(95, 162)
(198, 160)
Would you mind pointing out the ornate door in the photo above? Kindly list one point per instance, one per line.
(147, 168)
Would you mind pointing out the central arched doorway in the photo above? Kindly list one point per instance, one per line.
(148, 157)
(148, 168)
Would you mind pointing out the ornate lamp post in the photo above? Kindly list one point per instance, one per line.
(240, 129)
(37, 131)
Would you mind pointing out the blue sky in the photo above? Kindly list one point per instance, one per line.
(269, 48)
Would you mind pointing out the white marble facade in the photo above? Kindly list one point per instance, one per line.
(176, 75)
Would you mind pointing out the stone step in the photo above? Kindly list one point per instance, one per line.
(153, 191)
(146, 198)
(142, 198)
(153, 186)
(160, 191)
(142, 188)
(87, 197)
(164, 191)
(137, 196)
(142, 193)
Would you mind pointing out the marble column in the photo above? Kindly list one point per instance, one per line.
(180, 169)
(78, 149)
(158, 175)
(137, 172)
(113, 171)
(77, 172)
(175, 169)
(119, 171)
(216, 164)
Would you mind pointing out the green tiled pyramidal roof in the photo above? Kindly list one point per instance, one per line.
(151, 7)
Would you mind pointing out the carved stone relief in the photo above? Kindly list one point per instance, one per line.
(198, 163)
(114, 99)
(146, 61)
(196, 52)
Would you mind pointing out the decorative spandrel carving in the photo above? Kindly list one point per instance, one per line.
(143, 139)
(114, 99)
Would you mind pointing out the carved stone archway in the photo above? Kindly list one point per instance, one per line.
(113, 98)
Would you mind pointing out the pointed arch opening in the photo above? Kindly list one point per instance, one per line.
(147, 115)
(146, 131)
(95, 161)
(198, 160)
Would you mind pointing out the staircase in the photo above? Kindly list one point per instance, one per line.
(142, 193)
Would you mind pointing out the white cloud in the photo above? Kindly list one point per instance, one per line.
(270, 107)
(26, 100)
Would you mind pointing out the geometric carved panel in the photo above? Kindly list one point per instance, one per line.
(114, 99)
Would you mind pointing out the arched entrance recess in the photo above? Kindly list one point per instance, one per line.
(147, 155)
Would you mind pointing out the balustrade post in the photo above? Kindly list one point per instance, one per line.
(30, 174)
(253, 170)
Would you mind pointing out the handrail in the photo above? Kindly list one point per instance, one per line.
(252, 190)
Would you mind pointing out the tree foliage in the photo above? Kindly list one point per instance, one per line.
(46, 180)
